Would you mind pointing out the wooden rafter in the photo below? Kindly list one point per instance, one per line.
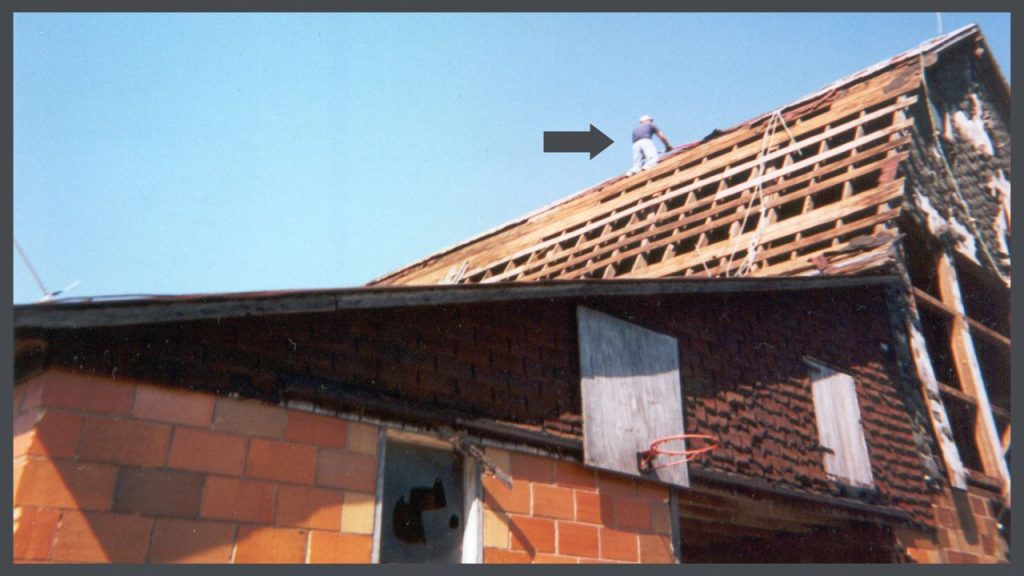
(975, 326)
(685, 182)
(696, 182)
(969, 373)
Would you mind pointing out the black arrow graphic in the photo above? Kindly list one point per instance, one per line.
(593, 141)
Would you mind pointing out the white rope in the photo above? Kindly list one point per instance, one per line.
(703, 260)
(767, 141)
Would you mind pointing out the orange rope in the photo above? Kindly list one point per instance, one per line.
(687, 455)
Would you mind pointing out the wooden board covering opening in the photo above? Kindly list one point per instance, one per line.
(632, 395)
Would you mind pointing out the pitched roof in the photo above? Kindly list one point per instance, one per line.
(810, 188)
(127, 311)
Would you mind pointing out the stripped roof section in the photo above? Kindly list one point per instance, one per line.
(809, 189)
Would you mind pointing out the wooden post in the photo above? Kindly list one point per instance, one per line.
(969, 373)
(933, 402)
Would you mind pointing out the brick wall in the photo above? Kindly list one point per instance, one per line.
(741, 362)
(488, 359)
(109, 470)
(746, 382)
(117, 471)
(967, 531)
(561, 512)
(980, 162)
(741, 358)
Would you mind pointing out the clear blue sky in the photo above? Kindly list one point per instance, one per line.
(186, 153)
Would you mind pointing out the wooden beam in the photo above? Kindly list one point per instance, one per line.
(882, 89)
(241, 306)
(1000, 412)
(849, 228)
(958, 394)
(736, 517)
(969, 373)
(604, 213)
(937, 305)
(670, 225)
(930, 394)
(782, 229)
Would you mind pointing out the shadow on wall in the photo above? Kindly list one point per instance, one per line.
(113, 471)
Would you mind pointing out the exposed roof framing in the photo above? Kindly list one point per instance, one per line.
(786, 193)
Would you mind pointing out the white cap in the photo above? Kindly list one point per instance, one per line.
(646, 118)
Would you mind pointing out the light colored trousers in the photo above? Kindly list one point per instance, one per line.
(645, 155)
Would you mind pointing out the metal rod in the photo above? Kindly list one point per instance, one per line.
(30, 268)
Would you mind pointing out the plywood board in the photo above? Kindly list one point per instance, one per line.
(837, 413)
(632, 395)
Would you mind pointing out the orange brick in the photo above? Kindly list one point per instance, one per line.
(65, 484)
(961, 557)
(304, 507)
(191, 541)
(576, 539)
(614, 485)
(249, 418)
(920, 556)
(102, 537)
(284, 461)
(500, 499)
(496, 556)
(553, 502)
(661, 518)
(619, 545)
(358, 513)
(553, 559)
(346, 470)
(362, 438)
(946, 517)
(173, 405)
(315, 429)
(946, 538)
(532, 468)
(979, 506)
(158, 492)
(34, 529)
(912, 538)
(632, 513)
(262, 545)
(332, 548)
(532, 534)
(204, 451)
(651, 492)
(123, 442)
(54, 434)
(86, 392)
(572, 474)
(656, 549)
(594, 507)
(239, 500)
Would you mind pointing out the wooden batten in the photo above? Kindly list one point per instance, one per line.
(642, 206)
(930, 391)
(989, 443)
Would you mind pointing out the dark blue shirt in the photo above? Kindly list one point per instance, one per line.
(644, 130)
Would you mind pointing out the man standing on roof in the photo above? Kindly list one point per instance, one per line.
(645, 155)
